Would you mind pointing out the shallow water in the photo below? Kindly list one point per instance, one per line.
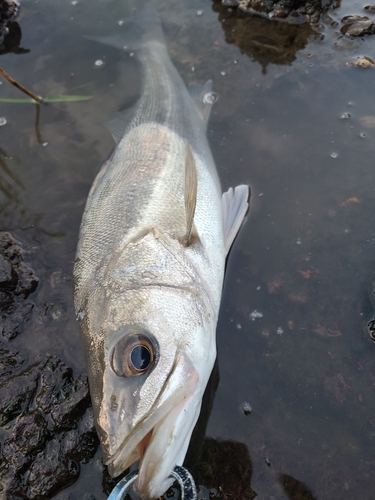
(299, 127)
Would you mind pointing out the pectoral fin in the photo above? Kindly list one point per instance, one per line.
(191, 186)
(117, 125)
(235, 204)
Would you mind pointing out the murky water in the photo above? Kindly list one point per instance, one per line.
(297, 123)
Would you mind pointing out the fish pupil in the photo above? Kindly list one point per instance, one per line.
(140, 357)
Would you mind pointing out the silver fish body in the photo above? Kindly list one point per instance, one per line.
(147, 300)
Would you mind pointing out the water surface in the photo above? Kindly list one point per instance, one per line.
(298, 125)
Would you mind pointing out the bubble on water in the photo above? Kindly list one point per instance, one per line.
(235, 61)
(74, 2)
(299, 242)
(334, 155)
(279, 331)
(193, 69)
(362, 134)
(238, 326)
(222, 73)
(247, 408)
(199, 12)
(210, 98)
(3, 121)
(120, 23)
(99, 63)
(131, 54)
(258, 287)
(345, 116)
(256, 315)
(45, 144)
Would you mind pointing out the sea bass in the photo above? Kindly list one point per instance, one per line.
(149, 268)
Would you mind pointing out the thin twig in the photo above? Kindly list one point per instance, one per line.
(21, 87)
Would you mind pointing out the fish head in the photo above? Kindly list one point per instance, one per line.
(155, 373)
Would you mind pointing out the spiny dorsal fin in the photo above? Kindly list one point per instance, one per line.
(191, 185)
(235, 203)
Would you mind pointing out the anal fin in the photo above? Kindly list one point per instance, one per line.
(235, 203)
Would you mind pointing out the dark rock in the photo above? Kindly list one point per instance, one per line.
(293, 11)
(10, 360)
(50, 430)
(81, 444)
(17, 282)
(56, 379)
(49, 473)
(370, 8)
(71, 409)
(8, 12)
(16, 395)
(360, 27)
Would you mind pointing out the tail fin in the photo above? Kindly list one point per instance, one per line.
(142, 29)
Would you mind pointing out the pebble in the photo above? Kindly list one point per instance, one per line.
(362, 62)
(3, 121)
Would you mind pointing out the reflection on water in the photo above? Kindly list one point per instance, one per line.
(295, 489)
(12, 41)
(296, 121)
(266, 42)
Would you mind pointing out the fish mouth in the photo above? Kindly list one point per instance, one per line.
(160, 440)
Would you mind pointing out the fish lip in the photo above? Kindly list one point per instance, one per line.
(156, 415)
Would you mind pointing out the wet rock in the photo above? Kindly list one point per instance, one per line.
(8, 12)
(17, 282)
(49, 472)
(71, 409)
(16, 395)
(48, 429)
(357, 26)
(10, 360)
(292, 11)
(362, 62)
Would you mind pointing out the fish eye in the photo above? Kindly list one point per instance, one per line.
(133, 355)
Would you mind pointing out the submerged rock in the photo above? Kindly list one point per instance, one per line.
(47, 430)
(357, 26)
(17, 282)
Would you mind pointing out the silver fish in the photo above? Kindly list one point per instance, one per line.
(149, 269)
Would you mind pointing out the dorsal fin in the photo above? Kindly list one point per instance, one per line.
(203, 98)
(191, 186)
(235, 203)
